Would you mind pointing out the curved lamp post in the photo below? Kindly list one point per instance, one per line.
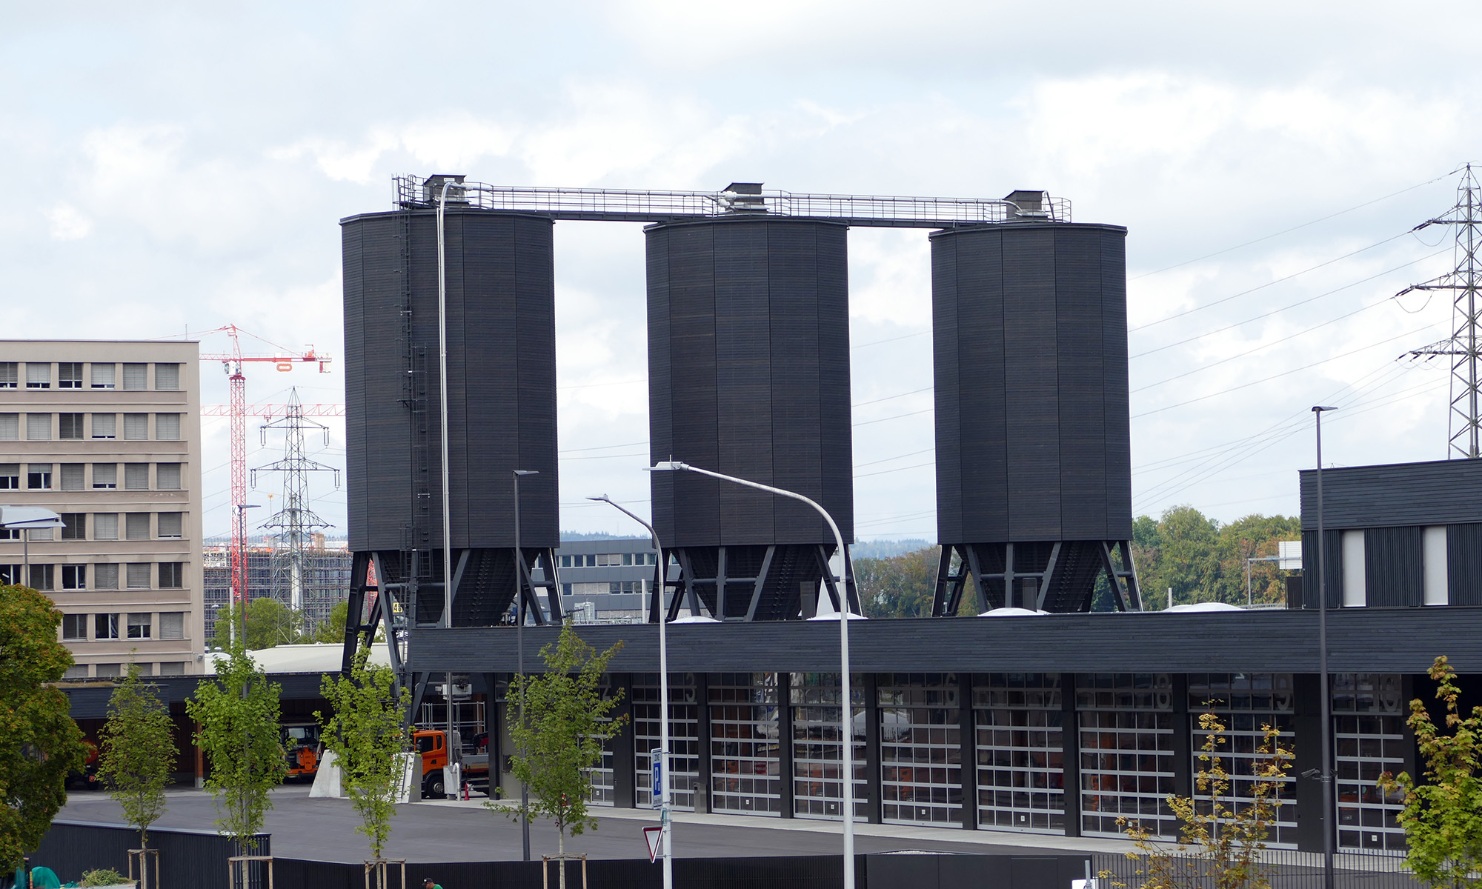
(1328, 824)
(664, 780)
(846, 715)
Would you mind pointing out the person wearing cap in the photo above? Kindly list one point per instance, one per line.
(427, 883)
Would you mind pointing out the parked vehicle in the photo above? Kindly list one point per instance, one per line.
(303, 748)
(432, 746)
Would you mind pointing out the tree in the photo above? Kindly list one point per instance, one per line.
(366, 732)
(138, 752)
(1220, 838)
(39, 742)
(1442, 816)
(563, 720)
(237, 719)
(1204, 561)
(332, 628)
(270, 623)
(898, 586)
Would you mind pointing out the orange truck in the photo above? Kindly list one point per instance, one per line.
(432, 746)
(303, 749)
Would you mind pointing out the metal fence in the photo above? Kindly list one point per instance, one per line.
(1278, 868)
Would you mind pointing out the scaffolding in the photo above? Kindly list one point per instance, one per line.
(325, 576)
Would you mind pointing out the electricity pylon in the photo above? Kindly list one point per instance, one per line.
(1462, 281)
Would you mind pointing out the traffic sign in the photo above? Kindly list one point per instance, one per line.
(654, 836)
(656, 756)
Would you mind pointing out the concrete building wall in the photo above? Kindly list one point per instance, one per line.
(108, 434)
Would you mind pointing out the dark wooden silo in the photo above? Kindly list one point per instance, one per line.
(1033, 457)
(748, 342)
(501, 400)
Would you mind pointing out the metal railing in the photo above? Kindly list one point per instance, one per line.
(1278, 868)
(626, 205)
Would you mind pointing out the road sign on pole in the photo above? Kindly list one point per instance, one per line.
(654, 836)
(656, 756)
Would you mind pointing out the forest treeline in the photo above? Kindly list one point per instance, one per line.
(1198, 558)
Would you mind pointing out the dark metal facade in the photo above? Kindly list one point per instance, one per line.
(1389, 507)
(1033, 457)
(748, 342)
(500, 321)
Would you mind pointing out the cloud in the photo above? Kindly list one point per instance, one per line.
(67, 223)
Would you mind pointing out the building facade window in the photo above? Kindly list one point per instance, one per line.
(10, 427)
(167, 476)
(105, 577)
(136, 526)
(167, 376)
(102, 376)
(38, 375)
(136, 476)
(74, 477)
(172, 668)
(69, 375)
(10, 574)
(42, 576)
(10, 476)
(171, 525)
(38, 476)
(74, 577)
(105, 476)
(105, 426)
(7, 375)
(74, 525)
(167, 427)
(136, 427)
(69, 427)
(172, 575)
(172, 625)
(140, 626)
(108, 671)
(137, 576)
(38, 427)
(105, 626)
(74, 627)
(136, 376)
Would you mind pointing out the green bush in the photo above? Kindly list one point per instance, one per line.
(104, 876)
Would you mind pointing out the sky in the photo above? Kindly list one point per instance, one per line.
(176, 167)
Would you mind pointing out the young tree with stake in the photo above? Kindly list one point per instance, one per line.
(365, 733)
(138, 754)
(563, 719)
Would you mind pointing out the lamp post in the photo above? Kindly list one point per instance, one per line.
(846, 716)
(520, 652)
(1322, 658)
(664, 780)
(231, 625)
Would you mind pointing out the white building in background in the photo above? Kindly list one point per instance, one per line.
(108, 435)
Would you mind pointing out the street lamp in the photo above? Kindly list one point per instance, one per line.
(231, 624)
(846, 716)
(1322, 657)
(23, 519)
(520, 652)
(664, 781)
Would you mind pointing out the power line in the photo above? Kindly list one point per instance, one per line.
(1296, 227)
(1273, 282)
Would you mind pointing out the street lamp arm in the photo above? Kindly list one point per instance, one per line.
(677, 466)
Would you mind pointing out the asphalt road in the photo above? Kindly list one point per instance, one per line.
(428, 832)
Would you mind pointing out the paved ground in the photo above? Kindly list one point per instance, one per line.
(466, 831)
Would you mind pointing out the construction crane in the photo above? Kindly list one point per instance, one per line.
(284, 361)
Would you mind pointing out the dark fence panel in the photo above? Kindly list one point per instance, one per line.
(196, 859)
(892, 871)
(1285, 868)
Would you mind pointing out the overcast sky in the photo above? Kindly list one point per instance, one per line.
(176, 167)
